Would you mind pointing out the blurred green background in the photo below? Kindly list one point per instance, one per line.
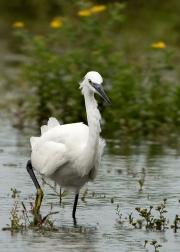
(47, 47)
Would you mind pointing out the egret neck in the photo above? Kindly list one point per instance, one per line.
(90, 151)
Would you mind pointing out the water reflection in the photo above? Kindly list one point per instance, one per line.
(101, 228)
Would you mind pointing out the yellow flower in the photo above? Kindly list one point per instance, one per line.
(18, 24)
(56, 23)
(95, 52)
(98, 8)
(158, 45)
(84, 13)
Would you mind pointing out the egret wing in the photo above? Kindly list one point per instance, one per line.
(52, 149)
(48, 157)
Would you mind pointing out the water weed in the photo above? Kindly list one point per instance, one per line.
(154, 244)
(176, 224)
(142, 180)
(84, 195)
(22, 219)
(15, 193)
(151, 221)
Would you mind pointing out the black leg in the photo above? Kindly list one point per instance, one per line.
(32, 175)
(39, 195)
(60, 199)
(75, 205)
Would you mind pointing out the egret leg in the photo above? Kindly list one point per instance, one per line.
(60, 198)
(75, 206)
(39, 194)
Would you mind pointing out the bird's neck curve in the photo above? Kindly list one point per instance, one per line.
(93, 118)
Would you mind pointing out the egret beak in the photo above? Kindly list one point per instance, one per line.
(101, 92)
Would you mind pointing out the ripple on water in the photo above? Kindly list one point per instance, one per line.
(101, 228)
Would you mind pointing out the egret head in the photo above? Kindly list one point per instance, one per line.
(93, 81)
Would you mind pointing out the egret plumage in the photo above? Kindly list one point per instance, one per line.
(70, 154)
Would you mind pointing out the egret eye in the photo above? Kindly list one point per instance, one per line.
(90, 82)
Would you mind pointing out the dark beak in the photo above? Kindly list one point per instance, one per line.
(101, 92)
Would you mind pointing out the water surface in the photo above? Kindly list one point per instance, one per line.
(102, 228)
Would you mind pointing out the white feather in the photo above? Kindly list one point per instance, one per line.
(70, 154)
(44, 129)
(53, 122)
(33, 141)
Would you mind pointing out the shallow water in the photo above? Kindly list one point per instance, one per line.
(101, 227)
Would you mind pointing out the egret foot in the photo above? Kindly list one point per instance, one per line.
(39, 197)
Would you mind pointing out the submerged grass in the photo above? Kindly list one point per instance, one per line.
(23, 218)
(148, 220)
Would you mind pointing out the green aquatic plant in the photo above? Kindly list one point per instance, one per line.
(19, 219)
(141, 183)
(112, 200)
(15, 218)
(56, 193)
(142, 180)
(84, 195)
(151, 221)
(148, 217)
(131, 219)
(156, 245)
(118, 211)
(145, 242)
(162, 220)
(146, 214)
(52, 187)
(44, 223)
(22, 218)
(161, 208)
(176, 223)
(15, 193)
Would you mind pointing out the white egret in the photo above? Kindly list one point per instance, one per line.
(70, 154)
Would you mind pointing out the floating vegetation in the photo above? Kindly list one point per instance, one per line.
(151, 222)
(15, 193)
(118, 211)
(142, 180)
(22, 219)
(176, 223)
(156, 245)
(52, 187)
(153, 243)
(84, 195)
(112, 200)
(60, 194)
(148, 221)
